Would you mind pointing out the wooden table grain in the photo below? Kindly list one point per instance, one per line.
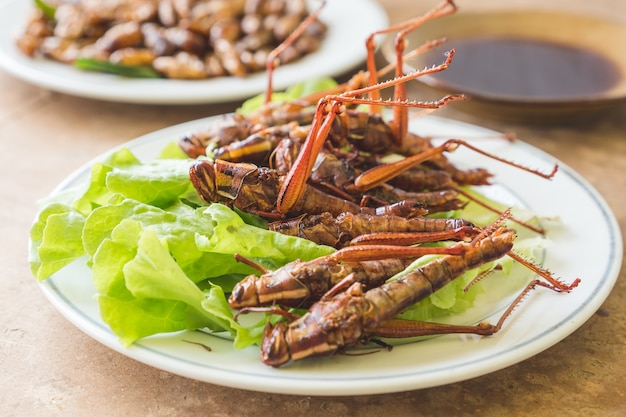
(50, 368)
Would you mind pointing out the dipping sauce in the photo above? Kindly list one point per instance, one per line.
(524, 68)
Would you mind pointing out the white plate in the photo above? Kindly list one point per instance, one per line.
(349, 23)
(542, 320)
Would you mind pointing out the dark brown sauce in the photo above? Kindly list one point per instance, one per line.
(524, 68)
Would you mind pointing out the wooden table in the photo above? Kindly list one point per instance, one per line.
(48, 367)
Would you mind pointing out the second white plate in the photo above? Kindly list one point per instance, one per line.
(342, 50)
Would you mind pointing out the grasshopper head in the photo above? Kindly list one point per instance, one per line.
(245, 293)
(274, 348)
(202, 175)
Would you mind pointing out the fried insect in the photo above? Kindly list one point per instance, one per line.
(348, 318)
(335, 173)
(299, 284)
(255, 190)
(350, 228)
(181, 40)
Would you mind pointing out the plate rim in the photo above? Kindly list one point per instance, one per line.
(287, 384)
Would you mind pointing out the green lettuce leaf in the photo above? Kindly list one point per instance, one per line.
(48, 10)
(157, 255)
(131, 71)
(138, 273)
(292, 93)
(55, 240)
(159, 183)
